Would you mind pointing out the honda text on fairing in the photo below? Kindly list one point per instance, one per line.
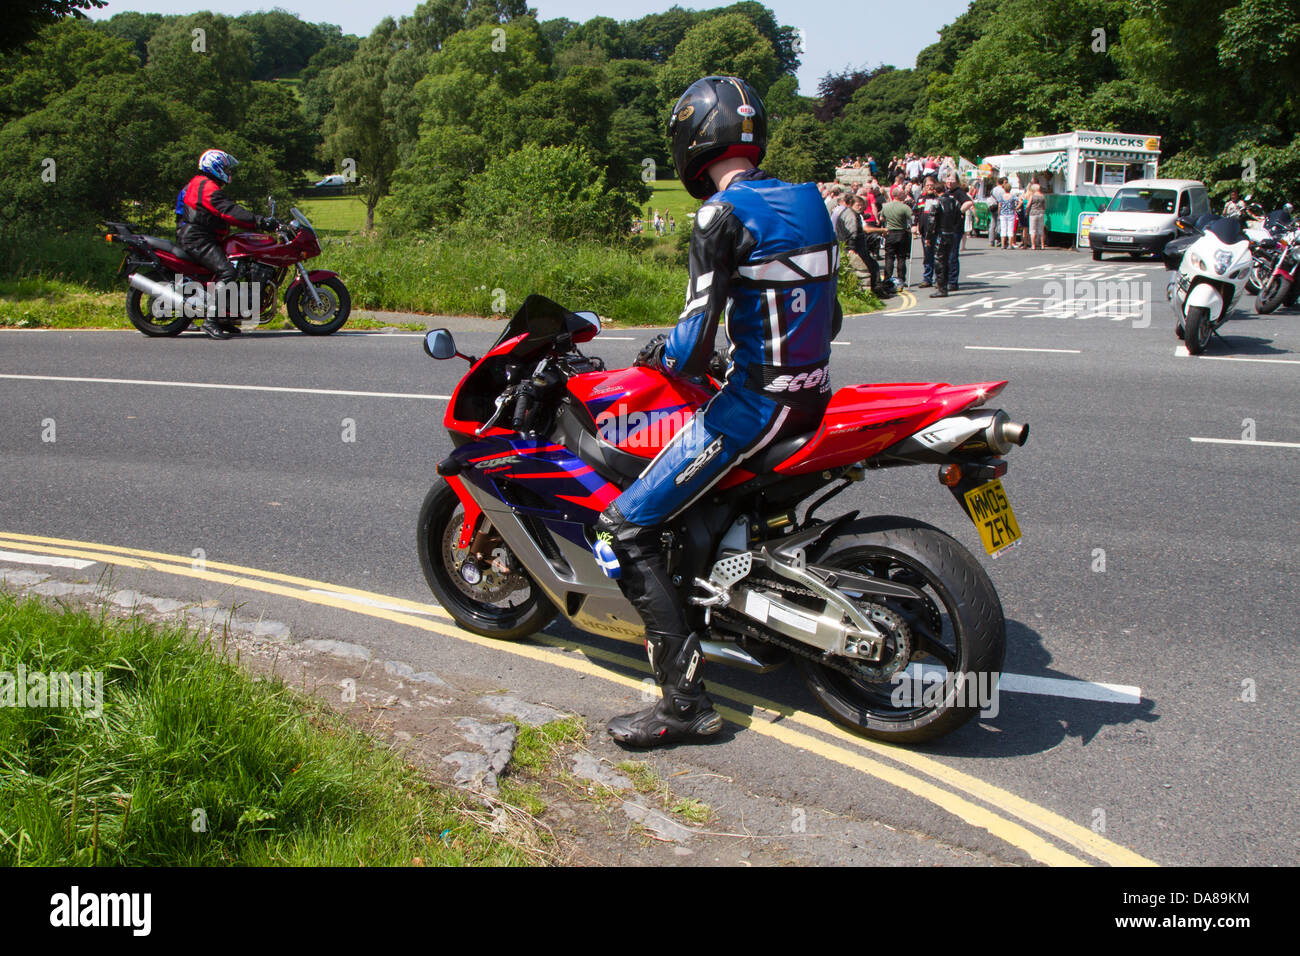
(1211, 266)
(167, 285)
(896, 626)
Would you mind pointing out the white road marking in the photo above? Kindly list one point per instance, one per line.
(1048, 686)
(841, 343)
(235, 388)
(371, 602)
(48, 560)
(1014, 348)
(1243, 441)
(619, 338)
(1181, 352)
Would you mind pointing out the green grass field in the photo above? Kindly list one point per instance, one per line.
(180, 758)
(331, 215)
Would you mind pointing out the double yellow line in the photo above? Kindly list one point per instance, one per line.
(1009, 818)
(908, 302)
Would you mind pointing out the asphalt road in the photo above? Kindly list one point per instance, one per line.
(1154, 562)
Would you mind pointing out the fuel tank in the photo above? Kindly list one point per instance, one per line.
(637, 410)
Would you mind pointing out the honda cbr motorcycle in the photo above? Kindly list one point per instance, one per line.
(1210, 267)
(1281, 287)
(897, 628)
(167, 286)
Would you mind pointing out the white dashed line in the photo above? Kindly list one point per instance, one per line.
(1014, 348)
(233, 388)
(1047, 686)
(1181, 352)
(1243, 441)
(49, 561)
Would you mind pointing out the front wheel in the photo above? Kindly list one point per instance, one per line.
(1198, 331)
(488, 593)
(950, 643)
(312, 319)
(154, 317)
(1271, 296)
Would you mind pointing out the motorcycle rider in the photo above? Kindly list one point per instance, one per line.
(204, 215)
(763, 253)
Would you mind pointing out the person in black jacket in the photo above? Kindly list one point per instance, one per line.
(204, 216)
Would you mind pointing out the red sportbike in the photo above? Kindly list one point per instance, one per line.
(166, 292)
(896, 626)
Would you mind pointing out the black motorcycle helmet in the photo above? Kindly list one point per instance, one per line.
(716, 118)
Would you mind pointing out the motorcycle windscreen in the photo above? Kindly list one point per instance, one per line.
(543, 321)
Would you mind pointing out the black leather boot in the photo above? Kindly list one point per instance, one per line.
(685, 713)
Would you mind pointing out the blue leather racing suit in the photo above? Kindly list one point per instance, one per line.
(764, 255)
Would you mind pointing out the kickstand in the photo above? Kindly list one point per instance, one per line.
(1215, 334)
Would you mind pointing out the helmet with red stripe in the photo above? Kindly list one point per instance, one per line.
(716, 118)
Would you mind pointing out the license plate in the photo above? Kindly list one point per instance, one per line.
(1121, 238)
(996, 522)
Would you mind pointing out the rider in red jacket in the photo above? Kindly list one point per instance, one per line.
(204, 216)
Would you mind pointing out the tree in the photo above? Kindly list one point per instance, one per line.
(875, 120)
(834, 90)
(1029, 72)
(274, 122)
(61, 56)
(358, 129)
(204, 60)
(110, 148)
(783, 101)
(556, 192)
(281, 43)
(799, 151)
(135, 28)
(727, 45)
(24, 19)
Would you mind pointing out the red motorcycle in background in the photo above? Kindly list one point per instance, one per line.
(897, 627)
(166, 284)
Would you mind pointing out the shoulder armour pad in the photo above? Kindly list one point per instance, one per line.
(710, 214)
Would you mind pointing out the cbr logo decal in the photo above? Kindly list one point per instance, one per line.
(700, 461)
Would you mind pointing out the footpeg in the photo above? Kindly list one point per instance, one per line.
(722, 577)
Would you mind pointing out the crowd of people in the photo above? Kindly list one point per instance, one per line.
(926, 199)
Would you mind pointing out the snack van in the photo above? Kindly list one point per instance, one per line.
(1079, 171)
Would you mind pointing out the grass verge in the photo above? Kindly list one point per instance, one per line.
(190, 761)
(69, 282)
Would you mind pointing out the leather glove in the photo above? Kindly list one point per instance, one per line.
(267, 224)
(652, 353)
(718, 366)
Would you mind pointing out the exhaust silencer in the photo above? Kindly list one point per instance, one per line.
(998, 437)
(198, 302)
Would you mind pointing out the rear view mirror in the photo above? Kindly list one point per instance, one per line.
(439, 344)
(589, 333)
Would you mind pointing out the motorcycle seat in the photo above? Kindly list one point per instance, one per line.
(775, 453)
(171, 248)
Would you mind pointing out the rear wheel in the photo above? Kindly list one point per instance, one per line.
(1198, 331)
(1096, 255)
(1271, 296)
(493, 595)
(312, 319)
(154, 317)
(951, 642)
